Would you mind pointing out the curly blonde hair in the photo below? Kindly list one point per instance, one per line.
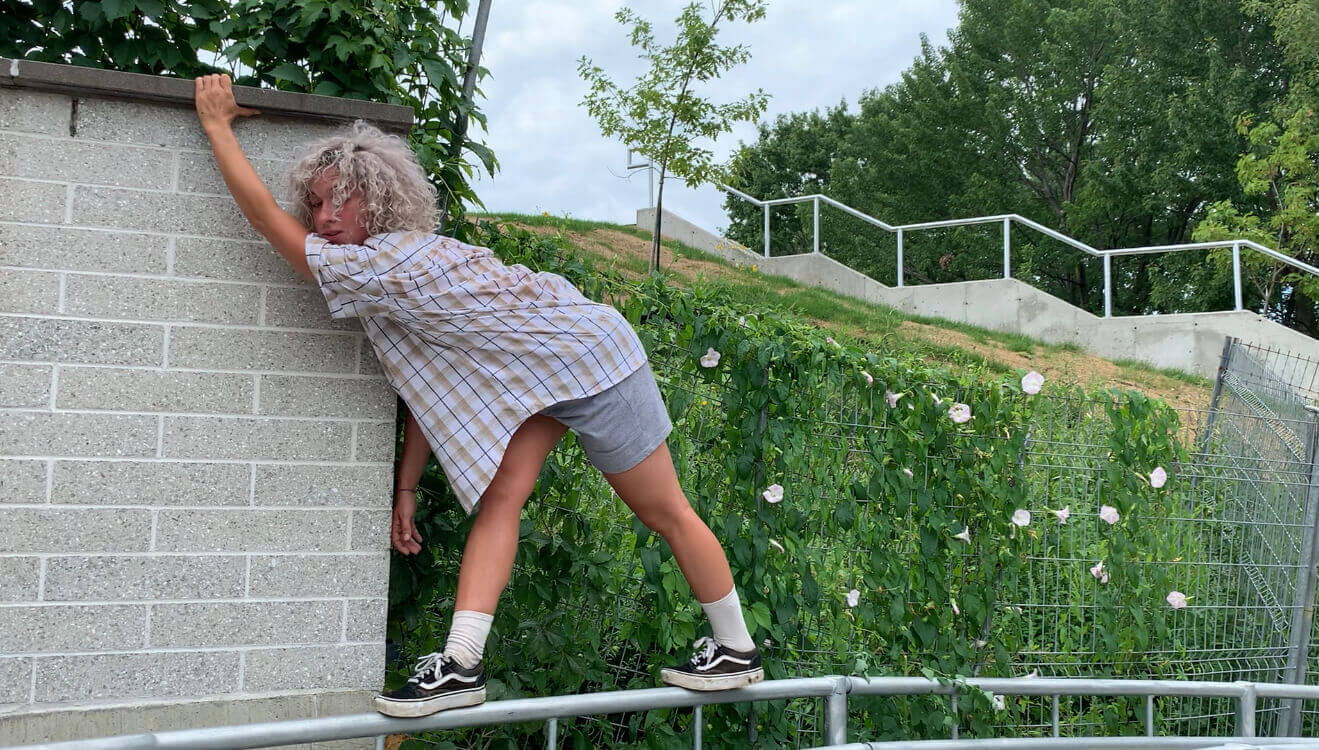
(396, 196)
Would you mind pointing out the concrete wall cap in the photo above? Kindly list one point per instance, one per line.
(80, 81)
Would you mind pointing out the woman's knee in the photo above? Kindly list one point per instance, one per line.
(669, 517)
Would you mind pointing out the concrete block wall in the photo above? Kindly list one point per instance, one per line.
(196, 462)
(1191, 342)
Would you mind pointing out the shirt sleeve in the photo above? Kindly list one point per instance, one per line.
(344, 276)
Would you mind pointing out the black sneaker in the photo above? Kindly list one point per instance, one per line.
(715, 667)
(440, 683)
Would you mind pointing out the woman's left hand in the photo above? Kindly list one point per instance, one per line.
(215, 101)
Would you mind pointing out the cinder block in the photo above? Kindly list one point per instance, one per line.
(23, 481)
(62, 434)
(27, 111)
(366, 620)
(323, 486)
(68, 160)
(161, 299)
(231, 260)
(352, 398)
(68, 248)
(35, 202)
(34, 292)
(309, 667)
(375, 442)
(367, 363)
(39, 530)
(256, 439)
(81, 341)
(126, 676)
(25, 386)
(15, 683)
(154, 390)
(151, 483)
(210, 624)
(371, 529)
(198, 174)
(347, 575)
(63, 628)
(303, 307)
(252, 530)
(111, 578)
(20, 579)
(246, 349)
(173, 213)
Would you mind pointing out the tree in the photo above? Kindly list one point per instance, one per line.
(661, 116)
(396, 51)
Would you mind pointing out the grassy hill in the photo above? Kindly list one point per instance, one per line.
(868, 325)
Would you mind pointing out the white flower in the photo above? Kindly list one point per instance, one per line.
(1034, 674)
(853, 597)
(774, 494)
(1110, 514)
(908, 473)
(869, 379)
(959, 413)
(998, 702)
(1158, 477)
(1177, 599)
(1032, 382)
(710, 359)
(830, 339)
(742, 321)
(1063, 514)
(892, 398)
(965, 535)
(774, 543)
(956, 611)
(1021, 517)
(1098, 572)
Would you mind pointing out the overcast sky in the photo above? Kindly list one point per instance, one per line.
(806, 54)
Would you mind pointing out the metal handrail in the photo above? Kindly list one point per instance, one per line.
(1007, 219)
(834, 689)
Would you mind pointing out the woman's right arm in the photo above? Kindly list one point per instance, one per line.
(416, 452)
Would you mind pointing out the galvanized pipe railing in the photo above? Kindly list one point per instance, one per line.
(1007, 220)
(833, 689)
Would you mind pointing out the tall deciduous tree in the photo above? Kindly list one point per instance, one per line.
(661, 115)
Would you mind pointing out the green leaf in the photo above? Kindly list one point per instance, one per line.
(291, 72)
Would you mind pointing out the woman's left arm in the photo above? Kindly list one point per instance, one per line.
(217, 109)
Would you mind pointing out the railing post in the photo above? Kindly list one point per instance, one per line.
(899, 257)
(835, 713)
(698, 723)
(817, 225)
(1007, 248)
(1108, 285)
(1306, 579)
(1236, 273)
(1246, 707)
(552, 734)
(766, 230)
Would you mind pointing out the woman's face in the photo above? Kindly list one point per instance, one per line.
(349, 227)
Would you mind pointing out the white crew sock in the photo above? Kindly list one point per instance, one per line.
(726, 621)
(467, 636)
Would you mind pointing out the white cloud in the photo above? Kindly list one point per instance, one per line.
(806, 55)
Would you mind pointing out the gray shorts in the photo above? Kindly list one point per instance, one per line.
(619, 426)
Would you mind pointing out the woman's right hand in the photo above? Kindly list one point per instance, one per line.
(403, 532)
(215, 101)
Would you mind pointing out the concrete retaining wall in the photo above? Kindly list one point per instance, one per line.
(1189, 342)
(195, 460)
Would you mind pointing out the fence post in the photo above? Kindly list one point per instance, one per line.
(1246, 705)
(899, 257)
(835, 713)
(1007, 248)
(766, 230)
(1224, 365)
(1108, 285)
(816, 244)
(1306, 577)
(1236, 274)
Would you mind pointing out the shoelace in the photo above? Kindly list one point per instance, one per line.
(430, 663)
(705, 648)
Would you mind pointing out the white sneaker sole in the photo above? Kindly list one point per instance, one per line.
(722, 682)
(405, 709)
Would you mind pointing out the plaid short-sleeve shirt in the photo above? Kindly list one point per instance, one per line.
(474, 347)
